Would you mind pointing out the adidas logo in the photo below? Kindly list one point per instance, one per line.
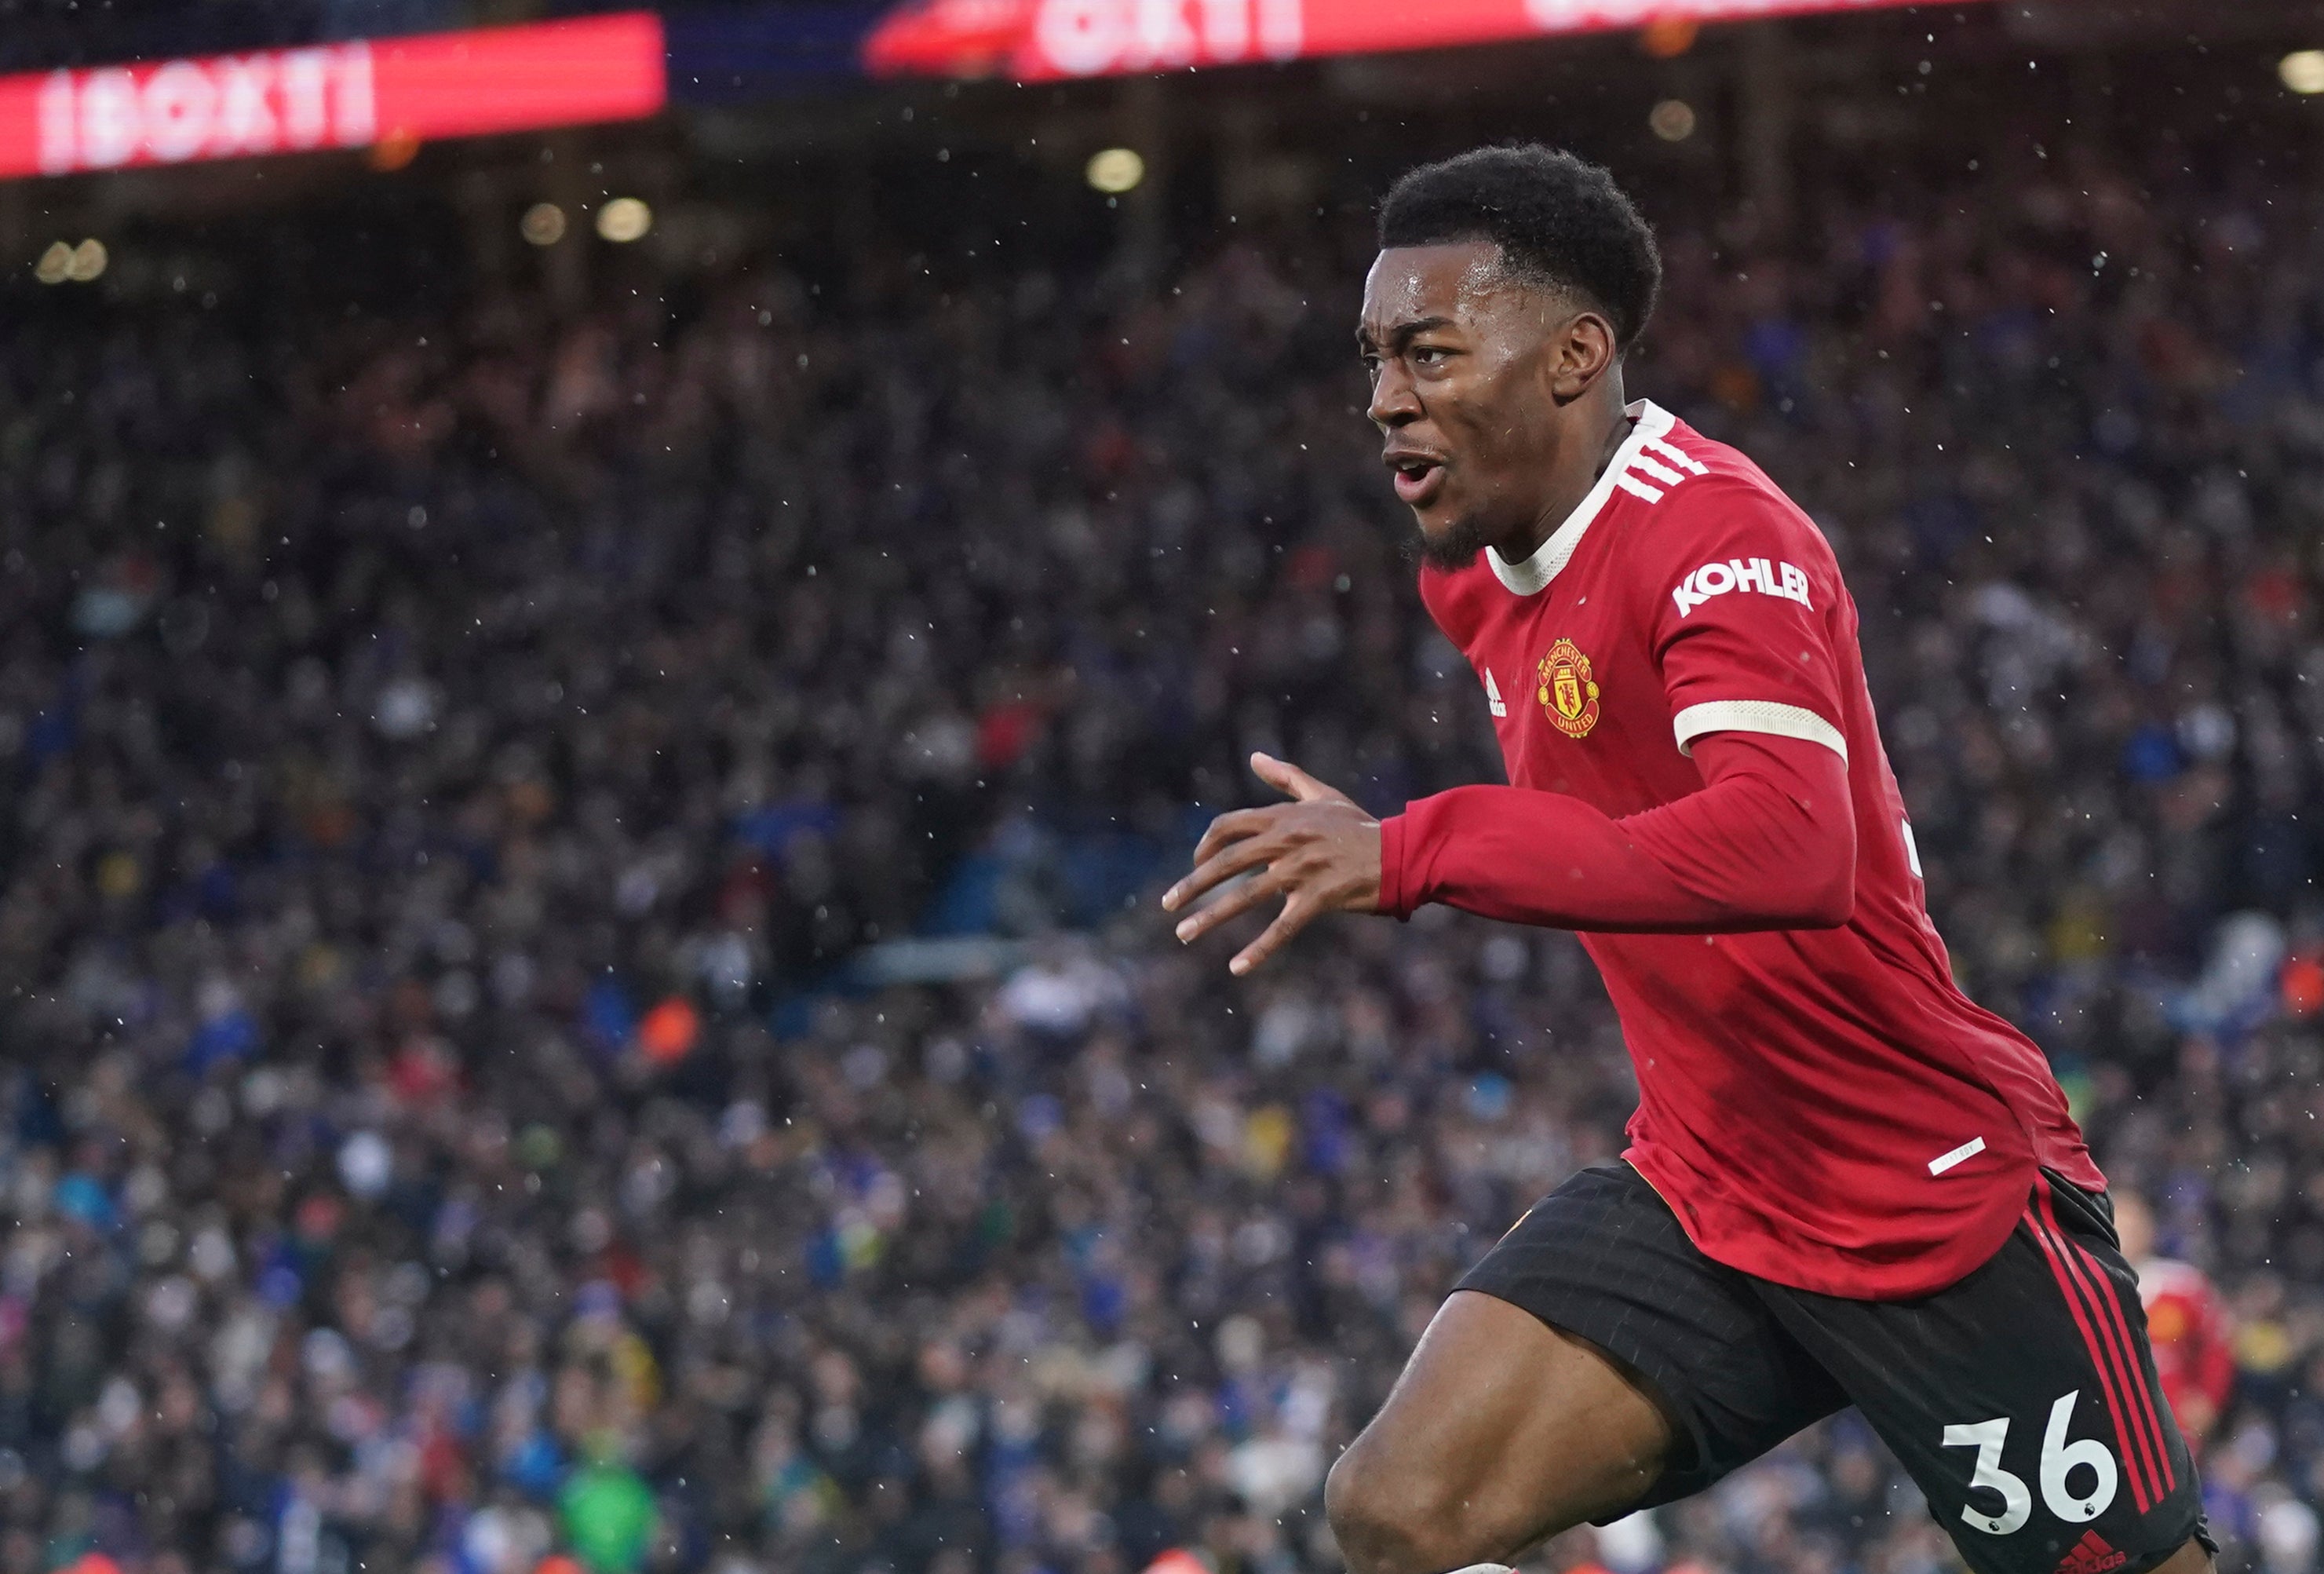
(1493, 695)
(2091, 1555)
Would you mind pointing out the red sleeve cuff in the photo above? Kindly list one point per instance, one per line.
(1393, 899)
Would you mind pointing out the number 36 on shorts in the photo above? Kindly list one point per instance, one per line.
(2077, 1477)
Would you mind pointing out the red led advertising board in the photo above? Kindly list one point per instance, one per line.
(1036, 41)
(333, 96)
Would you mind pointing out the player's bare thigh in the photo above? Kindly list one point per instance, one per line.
(1500, 1433)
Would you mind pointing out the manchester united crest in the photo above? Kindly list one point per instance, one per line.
(1567, 691)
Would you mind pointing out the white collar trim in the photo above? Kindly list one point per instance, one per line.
(1649, 422)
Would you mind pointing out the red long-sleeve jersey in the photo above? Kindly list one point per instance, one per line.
(1698, 787)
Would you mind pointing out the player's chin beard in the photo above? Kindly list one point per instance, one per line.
(1452, 549)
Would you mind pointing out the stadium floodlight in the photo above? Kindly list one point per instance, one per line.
(1114, 171)
(2302, 70)
(543, 224)
(395, 150)
(1672, 120)
(1666, 38)
(623, 220)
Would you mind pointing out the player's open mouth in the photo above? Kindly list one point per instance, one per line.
(1418, 480)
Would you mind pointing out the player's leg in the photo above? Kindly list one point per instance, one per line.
(1594, 1362)
(2025, 1401)
(1501, 1431)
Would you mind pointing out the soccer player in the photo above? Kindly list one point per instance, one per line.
(1845, 1182)
(2189, 1326)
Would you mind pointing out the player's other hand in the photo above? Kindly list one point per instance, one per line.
(1320, 853)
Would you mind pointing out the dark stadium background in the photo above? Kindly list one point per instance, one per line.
(580, 820)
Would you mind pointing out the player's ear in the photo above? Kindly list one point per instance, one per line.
(1581, 350)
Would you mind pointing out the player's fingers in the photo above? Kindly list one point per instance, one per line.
(1221, 832)
(1288, 779)
(1230, 905)
(1231, 826)
(1275, 937)
(1221, 867)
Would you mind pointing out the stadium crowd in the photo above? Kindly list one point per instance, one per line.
(454, 755)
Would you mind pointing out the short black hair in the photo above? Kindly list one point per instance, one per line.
(1560, 221)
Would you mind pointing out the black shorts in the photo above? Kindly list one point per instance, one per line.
(2023, 1399)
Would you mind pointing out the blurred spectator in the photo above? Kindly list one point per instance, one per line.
(2187, 1322)
(607, 1514)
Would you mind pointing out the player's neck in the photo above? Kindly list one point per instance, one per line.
(1573, 473)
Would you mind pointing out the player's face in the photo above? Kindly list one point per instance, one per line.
(1459, 358)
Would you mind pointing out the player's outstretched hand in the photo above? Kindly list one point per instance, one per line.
(1320, 853)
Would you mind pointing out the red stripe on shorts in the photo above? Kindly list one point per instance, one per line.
(2143, 1409)
(2107, 1309)
(2101, 1361)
